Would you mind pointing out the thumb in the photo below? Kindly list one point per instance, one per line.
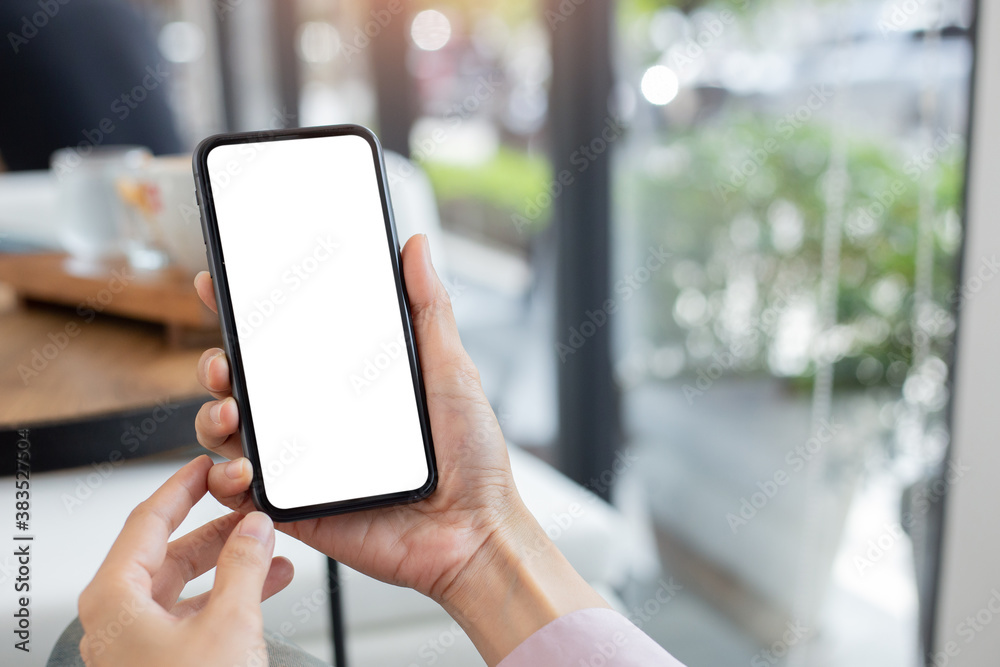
(438, 343)
(243, 565)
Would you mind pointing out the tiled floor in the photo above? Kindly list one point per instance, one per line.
(868, 617)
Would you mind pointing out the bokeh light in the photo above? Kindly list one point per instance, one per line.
(181, 42)
(318, 42)
(430, 30)
(659, 85)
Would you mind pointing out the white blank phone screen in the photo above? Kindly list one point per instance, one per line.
(317, 317)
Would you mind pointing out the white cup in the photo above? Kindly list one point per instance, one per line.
(90, 215)
(160, 195)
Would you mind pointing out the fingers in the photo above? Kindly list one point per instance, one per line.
(136, 556)
(143, 540)
(191, 556)
(217, 421)
(213, 372)
(278, 577)
(438, 342)
(243, 566)
(203, 285)
(216, 427)
(229, 482)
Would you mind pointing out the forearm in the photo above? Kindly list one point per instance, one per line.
(516, 583)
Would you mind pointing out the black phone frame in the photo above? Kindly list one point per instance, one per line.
(217, 265)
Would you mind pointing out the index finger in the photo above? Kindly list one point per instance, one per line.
(141, 547)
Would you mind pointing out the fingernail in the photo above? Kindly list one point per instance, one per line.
(216, 412)
(234, 469)
(258, 526)
(427, 243)
(224, 370)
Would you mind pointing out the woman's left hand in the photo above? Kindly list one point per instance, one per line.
(130, 613)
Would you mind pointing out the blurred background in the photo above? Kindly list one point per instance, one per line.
(706, 256)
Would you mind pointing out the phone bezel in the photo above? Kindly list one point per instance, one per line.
(216, 262)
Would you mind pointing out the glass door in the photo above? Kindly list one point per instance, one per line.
(785, 371)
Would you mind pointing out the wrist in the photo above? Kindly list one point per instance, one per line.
(513, 585)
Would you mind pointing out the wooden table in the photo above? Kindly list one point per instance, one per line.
(92, 386)
(111, 287)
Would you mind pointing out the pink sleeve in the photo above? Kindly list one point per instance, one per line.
(589, 637)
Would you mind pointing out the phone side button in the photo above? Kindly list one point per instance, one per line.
(201, 213)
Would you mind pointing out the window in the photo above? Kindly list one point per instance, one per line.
(785, 373)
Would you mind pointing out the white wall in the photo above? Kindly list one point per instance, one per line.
(970, 583)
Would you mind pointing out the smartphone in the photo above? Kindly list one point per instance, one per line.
(303, 252)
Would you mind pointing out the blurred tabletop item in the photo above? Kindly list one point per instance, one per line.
(112, 287)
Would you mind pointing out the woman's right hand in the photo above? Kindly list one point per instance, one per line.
(472, 545)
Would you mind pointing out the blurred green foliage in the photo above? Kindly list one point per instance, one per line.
(752, 242)
(505, 186)
(630, 11)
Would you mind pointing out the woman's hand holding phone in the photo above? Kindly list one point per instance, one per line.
(472, 545)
